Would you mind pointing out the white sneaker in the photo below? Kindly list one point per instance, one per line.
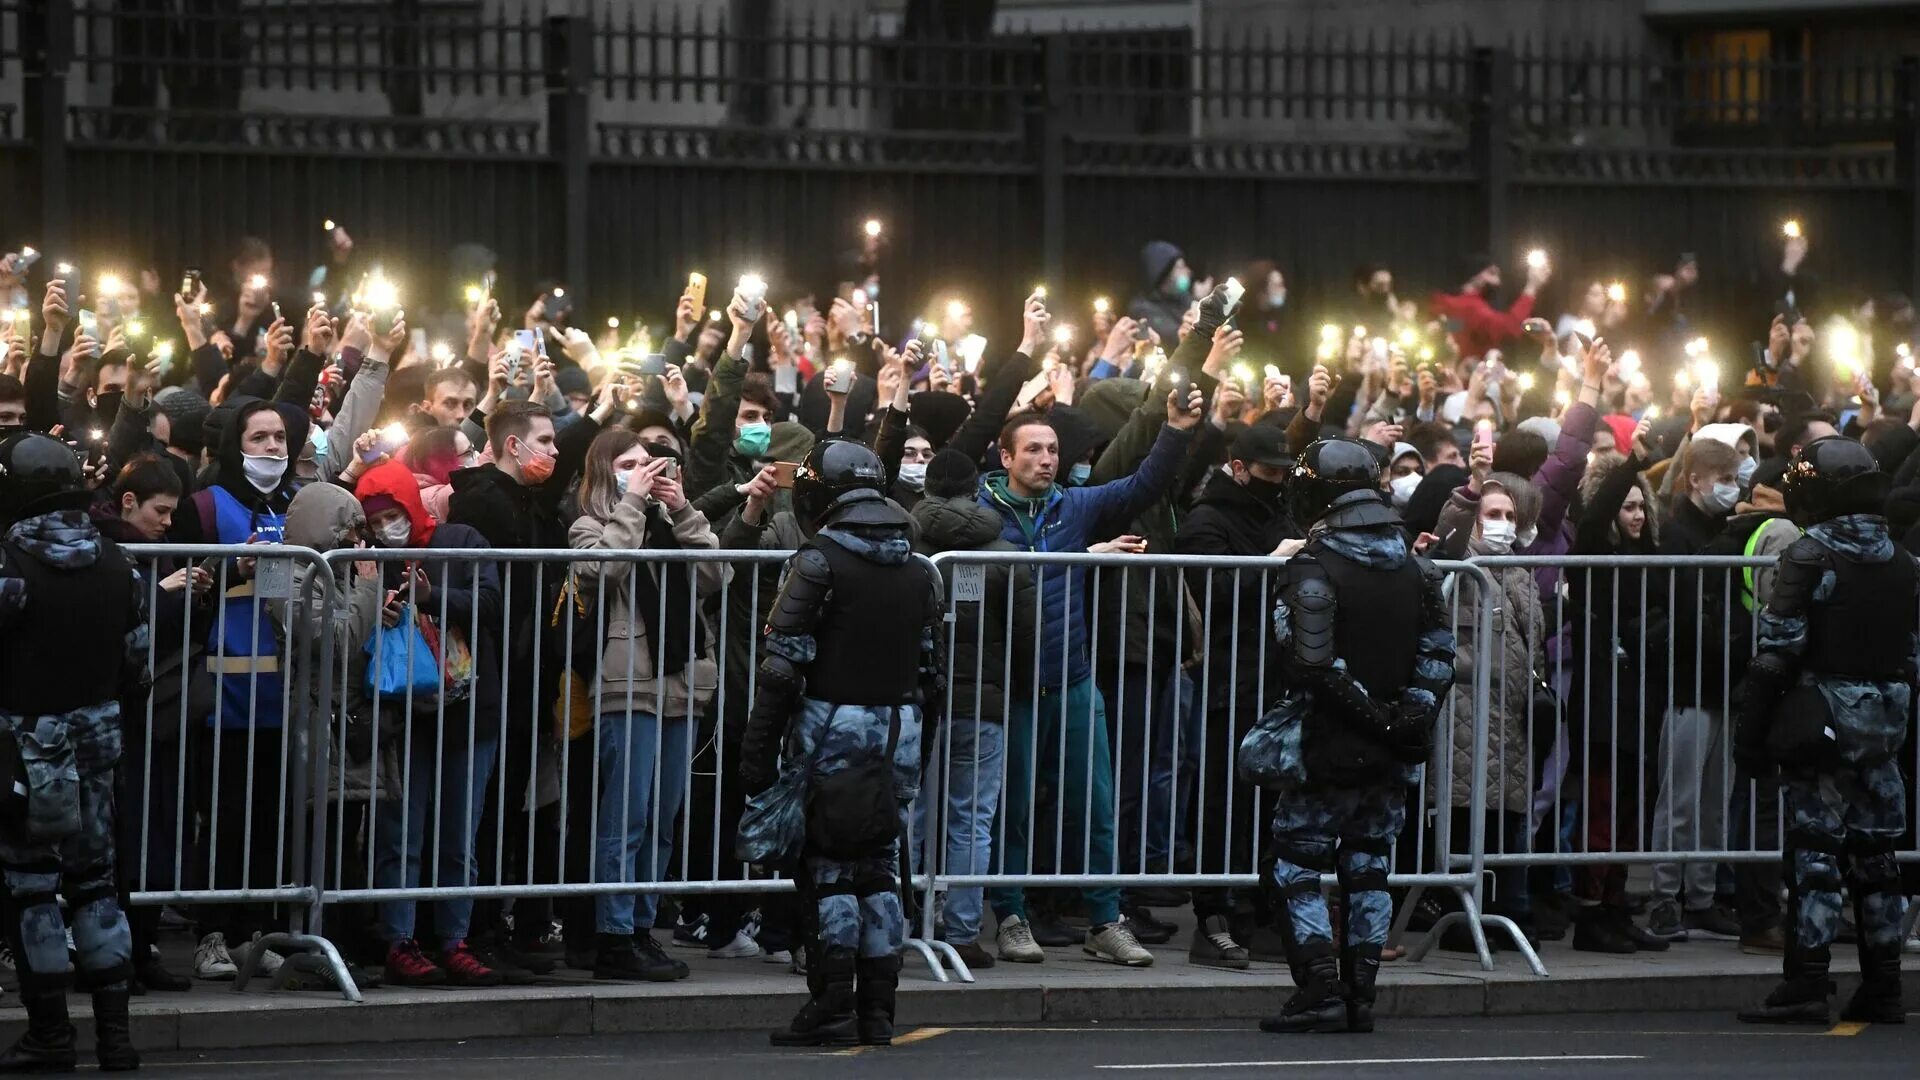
(212, 961)
(1116, 944)
(269, 962)
(1016, 942)
(741, 947)
(778, 956)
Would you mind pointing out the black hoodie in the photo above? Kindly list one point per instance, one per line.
(981, 668)
(196, 521)
(1231, 519)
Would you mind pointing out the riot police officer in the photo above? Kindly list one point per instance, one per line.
(73, 645)
(848, 667)
(1826, 701)
(1366, 655)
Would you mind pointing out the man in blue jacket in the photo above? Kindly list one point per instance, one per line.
(1039, 515)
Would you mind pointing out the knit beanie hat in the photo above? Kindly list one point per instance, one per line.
(951, 475)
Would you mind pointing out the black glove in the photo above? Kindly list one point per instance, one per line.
(1213, 311)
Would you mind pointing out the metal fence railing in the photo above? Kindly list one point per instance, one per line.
(562, 727)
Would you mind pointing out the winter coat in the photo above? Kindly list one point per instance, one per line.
(1513, 645)
(1698, 630)
(992, 659)
(1231, 520)
(627, 679)
(1609, 624)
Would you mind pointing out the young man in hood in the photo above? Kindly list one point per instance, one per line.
(1167, 291)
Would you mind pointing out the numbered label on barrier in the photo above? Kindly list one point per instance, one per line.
(969, 583)
(273, 579)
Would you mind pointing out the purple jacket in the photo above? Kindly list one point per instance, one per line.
(1558, 479)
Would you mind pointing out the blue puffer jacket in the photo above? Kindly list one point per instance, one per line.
(1069, 519)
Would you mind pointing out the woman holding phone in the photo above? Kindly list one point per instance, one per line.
(656, 674)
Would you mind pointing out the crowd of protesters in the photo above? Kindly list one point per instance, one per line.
(585, 722)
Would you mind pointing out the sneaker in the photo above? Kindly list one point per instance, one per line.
(407, 965)
(652, 955)
(514, 967)
(6, 960)
(691, 935)
(1017, 944)
(1597, 930)
(624, 958)
(212, 961)
(268, 963)
(1213, 946)
(740, 948)
(308, 973)
(465, 967)
(1664, 920)
(1053, 932)
(1115, 944)
(1715, 923)
(1769, 942)
(1147, 929)
(973, 955)
(1623, 922)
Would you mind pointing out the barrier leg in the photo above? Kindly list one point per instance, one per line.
(309, 953)
(926, 951)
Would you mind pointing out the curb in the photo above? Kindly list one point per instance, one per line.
(216, 1021)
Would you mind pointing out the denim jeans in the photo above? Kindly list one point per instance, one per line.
(644, 766)
(972, 796)
(446, 779)
(1081, 774)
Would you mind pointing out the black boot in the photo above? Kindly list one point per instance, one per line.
(1598, 929)
(1321, 1002)
(1360, 970)
(1801, 997)
(1878, 999)
(879, 983)
(48, 1044)
(112, 1032)
(827, 1017)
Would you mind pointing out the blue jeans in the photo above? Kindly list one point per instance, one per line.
(441, 775)
(1080, 774)
(972, 799)
(1147, 766)
(644, 760)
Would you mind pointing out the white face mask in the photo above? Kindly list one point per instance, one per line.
(396, 533)
(1720, 499)
(914, 475)
(1498, 535)
(263, 472)
(1747, 468)
(1403, 488)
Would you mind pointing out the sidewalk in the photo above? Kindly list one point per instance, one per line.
(751, 994)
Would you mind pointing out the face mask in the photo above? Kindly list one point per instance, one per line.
(263, 472)
(1747, 469)
(914, 475)
(1182, 282)
(1277, 298)
(107, 406)
(1404, 487)
(537, 468)
(754, 439)
(1720, 499)
(1080, 473)
(620, 481)
(1498, 535)
(1527, 538)
(396, 533)
(1267, 491)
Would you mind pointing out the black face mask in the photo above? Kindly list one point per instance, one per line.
(106, 407)
(1267, 491)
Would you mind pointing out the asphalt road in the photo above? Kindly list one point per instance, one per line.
(1602, 1045)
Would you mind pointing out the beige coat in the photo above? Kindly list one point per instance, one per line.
(626, 663)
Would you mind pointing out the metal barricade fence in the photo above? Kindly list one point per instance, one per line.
(217, 767)
(1171, 655)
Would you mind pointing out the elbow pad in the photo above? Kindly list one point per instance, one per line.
(1312, 605)
(803, 595)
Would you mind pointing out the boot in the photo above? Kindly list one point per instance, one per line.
(1801, 997)
(879, 983)
(112, 1033)
(1878, 999)
(1598, 929)
(48, 1044)
(1360, 969)
(827, 1017)
(1320, 1004)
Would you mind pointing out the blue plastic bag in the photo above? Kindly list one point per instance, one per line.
(401, 661)
(773, 828)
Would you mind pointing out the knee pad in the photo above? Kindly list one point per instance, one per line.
(1873, 871)
(1816, 870)
(1363, 866)
(39, 939)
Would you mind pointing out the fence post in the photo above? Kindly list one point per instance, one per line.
(1906, 162)
(1049, 128)
(48, 49)
(1489, 142)
(569, 85)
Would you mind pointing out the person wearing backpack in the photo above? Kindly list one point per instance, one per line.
(850, 665)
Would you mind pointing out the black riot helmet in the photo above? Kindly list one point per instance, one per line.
(1833, 476)
(832, 470)
(1330, 471)
(38, 475)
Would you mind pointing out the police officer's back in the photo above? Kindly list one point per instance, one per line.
(72, 645)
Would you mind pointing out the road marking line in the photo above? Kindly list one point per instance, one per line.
(920, 1035)
(1848, 1027)
(1381, 1061)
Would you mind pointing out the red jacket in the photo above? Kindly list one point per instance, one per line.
(1481, 327)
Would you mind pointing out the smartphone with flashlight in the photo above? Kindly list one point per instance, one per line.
(531, 343)
(840, 377)
(783, 473)
(1235, 291)
(697, 290)
(753, 293)
(190, 283)
(654, 364)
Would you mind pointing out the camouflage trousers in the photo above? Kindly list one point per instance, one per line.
(1841, 831)
(1342, 831)
(858, 903)
(80, 868)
